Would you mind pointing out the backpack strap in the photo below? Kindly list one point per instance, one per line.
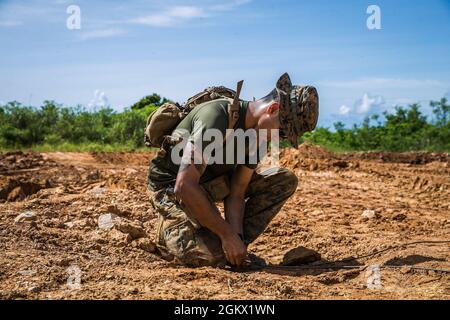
(233, 110)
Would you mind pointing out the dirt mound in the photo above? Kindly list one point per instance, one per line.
(17, 189)
(313, 157)
(128, 158)
(13, 161)
(307, 151)
(404, 157)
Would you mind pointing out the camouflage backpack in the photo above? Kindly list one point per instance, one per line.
(164, 120)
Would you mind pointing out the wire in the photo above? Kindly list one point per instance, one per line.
(329, 265)
(296, 268)
(387, 249)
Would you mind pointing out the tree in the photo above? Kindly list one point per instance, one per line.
(152, 100)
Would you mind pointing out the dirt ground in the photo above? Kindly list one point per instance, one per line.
(346, 205)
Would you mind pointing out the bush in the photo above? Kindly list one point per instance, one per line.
(406, 129)
(53, 126)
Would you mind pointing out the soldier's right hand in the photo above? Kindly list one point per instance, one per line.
(234, 249)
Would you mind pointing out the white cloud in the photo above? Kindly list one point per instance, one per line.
(365, 105)
(100, 100)
(230, 5)
(171, 16)
(344, 110)
(368, 103)
(179, 14)
(379, 83)
(10, 23)
(101, 33)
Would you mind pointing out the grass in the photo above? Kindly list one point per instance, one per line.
(84, 147)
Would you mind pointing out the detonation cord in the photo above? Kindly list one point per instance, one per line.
(331, 264)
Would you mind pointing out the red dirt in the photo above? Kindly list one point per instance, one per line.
(67, 192)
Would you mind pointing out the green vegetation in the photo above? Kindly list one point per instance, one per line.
(55, 127)
(406, 129)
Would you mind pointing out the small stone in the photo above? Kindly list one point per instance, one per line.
(131, 228)
(27, 216)
(133, 290)
(405, 270)
(146, 245)
(286, 289)
(300, 255)
(111, 208)
(34, 289)
(368, 214)
(27, 272)
(69, 224)
(80, 224)
(97, 191)
(16, 194)
(120, 239)
(107, 221)
(399, 217)
(62, 262)
(313, 166)
(340, 164)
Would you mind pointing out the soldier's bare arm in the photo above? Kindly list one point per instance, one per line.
(194, 198)
(235, 202)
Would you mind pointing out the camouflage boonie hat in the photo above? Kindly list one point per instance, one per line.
(299, 109)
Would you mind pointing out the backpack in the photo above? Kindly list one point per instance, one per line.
(162, 121)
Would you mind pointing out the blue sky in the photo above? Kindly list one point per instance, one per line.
(126, 50)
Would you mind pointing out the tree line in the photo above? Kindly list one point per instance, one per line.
(56, 127)
(404, 129)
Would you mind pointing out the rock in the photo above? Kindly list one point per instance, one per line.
(300, 255)
(133, 290)
(119, 238)
(27, 272)
(111, 208)
(80, 224)
(16, 194)
(313, 166)
(69, 224)
(131, 228)
(340, 164)
(27, 216)
(286, 289)
(63, 262)
(34, 289)
(399, 217)
(368, 214)
(107, 221)
(405, 269)
(97, 191)
(146, 245)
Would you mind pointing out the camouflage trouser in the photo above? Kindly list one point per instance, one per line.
(181, 238)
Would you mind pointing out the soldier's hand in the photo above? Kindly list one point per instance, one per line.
(234, 249)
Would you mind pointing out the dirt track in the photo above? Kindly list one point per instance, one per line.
(67, 192)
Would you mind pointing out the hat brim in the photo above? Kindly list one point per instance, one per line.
(284, 84)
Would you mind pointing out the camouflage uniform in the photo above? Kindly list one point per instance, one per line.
(181, 238)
